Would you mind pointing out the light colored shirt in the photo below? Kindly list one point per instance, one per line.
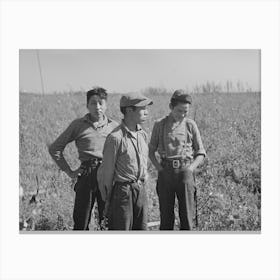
(173, 139)
(89, 138)
(125, 157)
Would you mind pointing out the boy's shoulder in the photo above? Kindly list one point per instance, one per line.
(191, 124)
(190, 121)
(160, 120)
(77, 122)
(80, 120)
(116, 133)
(112, 123)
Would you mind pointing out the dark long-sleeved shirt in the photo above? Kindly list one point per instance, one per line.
(89, 138)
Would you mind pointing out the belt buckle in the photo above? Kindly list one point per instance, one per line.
(96, 161)
(176, 163)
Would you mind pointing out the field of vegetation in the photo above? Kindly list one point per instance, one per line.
(228, 183)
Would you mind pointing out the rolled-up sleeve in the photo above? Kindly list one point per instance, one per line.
(197, 142)
(105, 175)
(154, 141)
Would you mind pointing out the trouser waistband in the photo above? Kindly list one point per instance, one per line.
(175, 163)
(140, 181)
(93, 162)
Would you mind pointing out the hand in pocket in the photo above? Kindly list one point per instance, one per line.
(189, 177)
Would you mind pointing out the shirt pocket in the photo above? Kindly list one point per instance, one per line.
(127, 155)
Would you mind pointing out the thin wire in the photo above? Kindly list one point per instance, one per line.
(40, 70)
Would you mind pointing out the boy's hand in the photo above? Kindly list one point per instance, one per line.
(106, 209)
(159, 168)
(191, 168)
(74, 174)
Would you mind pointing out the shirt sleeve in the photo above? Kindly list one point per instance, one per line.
(197, 142)
(57, 147)
(154, 141)
(106, 171)
(144, 160)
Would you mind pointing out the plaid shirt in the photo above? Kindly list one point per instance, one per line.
(172, 139)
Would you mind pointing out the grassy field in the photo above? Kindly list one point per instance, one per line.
(228, 183)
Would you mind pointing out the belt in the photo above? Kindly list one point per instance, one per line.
(175, 163)
(140, 181)
(93, 162)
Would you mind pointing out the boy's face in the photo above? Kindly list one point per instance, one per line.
(180, 111)
(140, 114)
(96, 106)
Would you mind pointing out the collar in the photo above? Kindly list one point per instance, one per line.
(96, 125)
(132, 133)
(172, 120)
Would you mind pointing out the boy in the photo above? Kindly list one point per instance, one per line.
(124, 168)
(89, 134)
(177, 140)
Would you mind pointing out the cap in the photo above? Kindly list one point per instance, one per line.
(181, 96)
(135, 99)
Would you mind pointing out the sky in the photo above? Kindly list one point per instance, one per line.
(134, 70)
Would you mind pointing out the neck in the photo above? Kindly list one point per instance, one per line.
(95, 119)
(131, 125)
(176, 119)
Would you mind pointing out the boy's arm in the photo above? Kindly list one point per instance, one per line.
(153, 145)
(197, 161)
(199, 151)
(153, 158)
(57, 147)
(107, 169)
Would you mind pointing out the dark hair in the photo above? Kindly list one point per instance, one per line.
(123, 109)
(174, 102)
(101, 92)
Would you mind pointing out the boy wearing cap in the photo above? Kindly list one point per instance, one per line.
(89, 134)
(124, 167)
(177, 140)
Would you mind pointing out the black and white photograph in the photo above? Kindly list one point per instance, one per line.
(140, 140)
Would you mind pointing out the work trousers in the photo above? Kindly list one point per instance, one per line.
(87, 192)
(128, 208)
(179, 182)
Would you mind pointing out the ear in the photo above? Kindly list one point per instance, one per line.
(129, 110)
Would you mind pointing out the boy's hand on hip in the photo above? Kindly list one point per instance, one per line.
(159, 168)
(76, 173)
